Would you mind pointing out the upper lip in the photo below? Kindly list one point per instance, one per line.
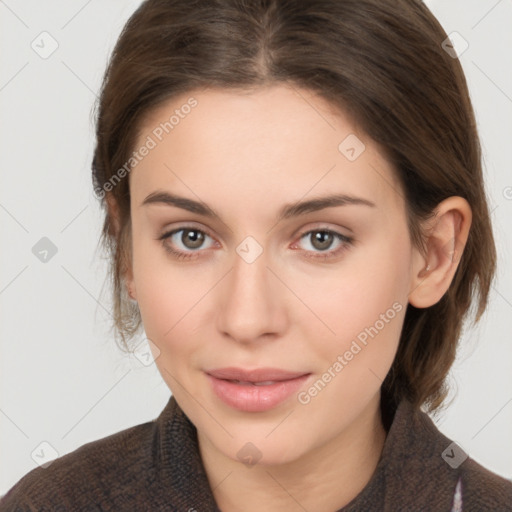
(256, 375)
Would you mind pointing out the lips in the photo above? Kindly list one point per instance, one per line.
(259, 376)
(255, 390)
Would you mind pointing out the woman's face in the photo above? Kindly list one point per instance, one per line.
(319, 291)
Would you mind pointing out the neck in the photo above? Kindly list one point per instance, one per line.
(324, 479)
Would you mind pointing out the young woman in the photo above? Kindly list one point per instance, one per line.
(296, 215)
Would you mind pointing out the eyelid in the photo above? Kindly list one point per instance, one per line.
(169, 232)
(336, 230)
(345, 242)
(184, 226)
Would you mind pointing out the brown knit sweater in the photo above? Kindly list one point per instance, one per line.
(157, 466)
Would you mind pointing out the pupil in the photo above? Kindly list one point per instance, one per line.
(188, 236)
(323, 238)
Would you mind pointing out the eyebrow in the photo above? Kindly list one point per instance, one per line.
(288, 210)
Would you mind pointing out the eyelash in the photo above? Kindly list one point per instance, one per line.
(323, 255)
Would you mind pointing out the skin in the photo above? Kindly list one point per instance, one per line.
(247, 155)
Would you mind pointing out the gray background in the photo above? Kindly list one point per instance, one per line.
(63, 380)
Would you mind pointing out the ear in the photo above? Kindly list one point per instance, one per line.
(432, 273)
(113, 211)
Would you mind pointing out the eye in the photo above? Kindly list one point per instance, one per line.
(187, 243)
(190, 241)
(322, 240)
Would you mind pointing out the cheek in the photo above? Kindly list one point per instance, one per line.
(168, 309)
(169, 312)
(165, 292)
(362, 305)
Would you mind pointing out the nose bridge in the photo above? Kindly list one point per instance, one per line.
(249, 274)
(251, 304)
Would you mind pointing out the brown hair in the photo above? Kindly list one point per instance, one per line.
(379, 61)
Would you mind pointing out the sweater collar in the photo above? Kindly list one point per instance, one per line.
(410, 474)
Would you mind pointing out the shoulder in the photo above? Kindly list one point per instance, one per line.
(478, 487)
(426, 470)
(94, 472)
(482, 489)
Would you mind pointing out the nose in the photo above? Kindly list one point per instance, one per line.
(252, 305)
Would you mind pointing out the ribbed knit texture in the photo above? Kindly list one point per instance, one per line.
(157, 466)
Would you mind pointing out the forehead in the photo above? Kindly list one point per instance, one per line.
(255, 140)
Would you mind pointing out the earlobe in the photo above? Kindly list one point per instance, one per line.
(131, 291)
(432, 273)
(129, 282)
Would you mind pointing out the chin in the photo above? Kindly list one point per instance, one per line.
(262, 453)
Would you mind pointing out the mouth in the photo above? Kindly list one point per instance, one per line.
(248, 383)
(256, 376)
(255, 390)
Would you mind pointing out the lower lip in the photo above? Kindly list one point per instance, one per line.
(249, 398)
